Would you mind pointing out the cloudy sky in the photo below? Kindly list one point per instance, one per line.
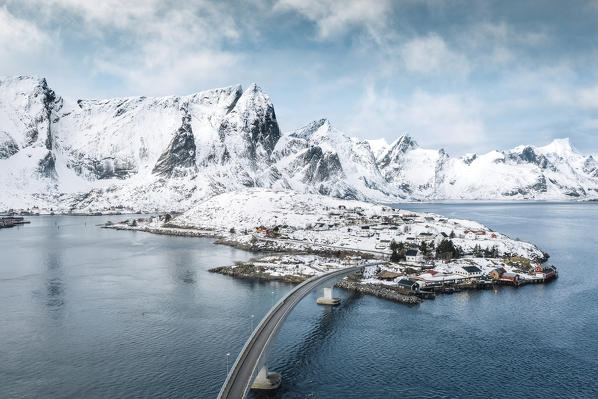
(463, 75)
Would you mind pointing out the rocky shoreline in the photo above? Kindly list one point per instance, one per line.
(249, 271)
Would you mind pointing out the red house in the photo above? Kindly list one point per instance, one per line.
(545, 272)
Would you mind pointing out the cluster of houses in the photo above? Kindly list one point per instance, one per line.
(281, 231)
(475, 234)
(353, 228)
(35, 211)
(542, 272)
(464, 274)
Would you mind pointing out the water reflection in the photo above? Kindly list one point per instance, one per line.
(181, 267)
(54, 282)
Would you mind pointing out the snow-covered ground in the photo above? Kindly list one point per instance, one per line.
(319, 232)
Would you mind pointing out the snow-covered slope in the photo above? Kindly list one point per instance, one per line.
(245, 210)
(138, 152)
(318, 158)
(552, 172)
(170, 152)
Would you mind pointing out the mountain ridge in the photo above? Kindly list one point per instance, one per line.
(172, 151)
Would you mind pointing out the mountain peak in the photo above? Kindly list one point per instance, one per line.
(403, 144)
(378, 146)
(308, 130)
(24, 83)
(558, 146)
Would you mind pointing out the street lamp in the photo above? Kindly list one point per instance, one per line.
(252, 316)
(227, 355)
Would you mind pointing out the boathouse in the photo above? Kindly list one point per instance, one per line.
(545, 272)
(495, 274)
(408, 285)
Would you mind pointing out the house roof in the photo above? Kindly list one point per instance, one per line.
(406, 282)
(471, 269)
(388, 274)
(545, 271)
(411, 252)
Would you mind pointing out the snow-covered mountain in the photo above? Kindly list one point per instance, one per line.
(552, 172)
(318, 158)
(169, 152)
(139, 152)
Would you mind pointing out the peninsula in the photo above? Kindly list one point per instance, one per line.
(303, 235)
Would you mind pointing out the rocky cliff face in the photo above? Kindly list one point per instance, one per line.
(179, 156)
(8, 146)
(170, 152)
(318, 158)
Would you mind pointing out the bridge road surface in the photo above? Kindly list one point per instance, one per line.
(240, 376)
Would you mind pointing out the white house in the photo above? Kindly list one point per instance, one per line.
(414, 256)
(469, 271)
(425, 236)
(412, 240)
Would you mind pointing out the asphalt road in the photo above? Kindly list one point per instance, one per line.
(327, 246)
(240, 377)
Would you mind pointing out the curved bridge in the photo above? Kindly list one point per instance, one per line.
(239, 379)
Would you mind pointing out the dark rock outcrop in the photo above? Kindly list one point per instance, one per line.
(319, 166)
(8, 147)
(179, 157)
(47, 166)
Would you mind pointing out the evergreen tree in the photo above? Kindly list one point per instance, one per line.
(452, 235)
(395, 256)
(447, 247)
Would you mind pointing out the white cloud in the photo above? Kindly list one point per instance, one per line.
(20, 41)
(566, 96)
(430, 55)
(152, 47)
(435, 120)
(336, 17)
(588, 98)
(118, 13)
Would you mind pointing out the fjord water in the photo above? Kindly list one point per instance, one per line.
(90, 312)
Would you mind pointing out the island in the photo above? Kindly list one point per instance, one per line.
(298, 236)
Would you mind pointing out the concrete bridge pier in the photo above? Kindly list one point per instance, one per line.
(327, 299)
(266, 380)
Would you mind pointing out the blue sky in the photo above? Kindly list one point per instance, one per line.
(468, 76)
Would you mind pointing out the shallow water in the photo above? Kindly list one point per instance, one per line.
(90, 312)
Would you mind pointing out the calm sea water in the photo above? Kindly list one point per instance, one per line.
(95, 313)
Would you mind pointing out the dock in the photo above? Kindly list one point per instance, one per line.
(12, 221)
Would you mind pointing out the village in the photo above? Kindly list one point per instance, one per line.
(302, 235)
